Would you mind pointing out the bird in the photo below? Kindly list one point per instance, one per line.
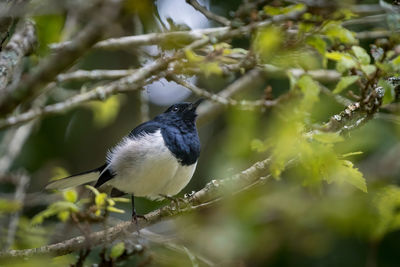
(157, 159)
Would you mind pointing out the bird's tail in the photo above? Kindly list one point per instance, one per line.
(77, 179)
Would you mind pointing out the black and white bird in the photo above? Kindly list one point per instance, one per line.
(157, 158)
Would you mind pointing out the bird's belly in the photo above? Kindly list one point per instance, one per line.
(180, 180)
(148, 169)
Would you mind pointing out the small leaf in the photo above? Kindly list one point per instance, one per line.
(354, 177)
(266, 42)
(100, 199)
(310, 89)
(63, 215)
(345, 61)
(361, 55)
(396, 61)
(94, 190)
(344, 83)
(335, 31)
(368, 69)
(71, 196)
(192, 57)
(318, 43)
(389, 91)
(351, 154)
(114, 209)
(58, 173)
(105, 112)
(121, 199)
(117, 250)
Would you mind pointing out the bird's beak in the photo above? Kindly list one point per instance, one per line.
(194, 105)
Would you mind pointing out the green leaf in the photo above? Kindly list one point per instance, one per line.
(273, 11)
(396, 61)
(389, 91)
(93, 189)
(210, 68)
(336, 32)
(114, 209)
(58, 173)
(310, 89)
(63, 215)
(266, 42)
(318, 43)
(121, 199)
(351, 154)
(368, 69)
(106, 112)
(353, 176)
(54, 209)
(100, 199)
(117, 250)
(327, 138)
(345, 61)
(361, 55)
(192, 57)
(71, 196)
(387, 202)
(344, 83)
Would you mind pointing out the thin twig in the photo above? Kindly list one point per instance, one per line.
(82, 75)
(226, 101)
(20, 192)
(208, 13)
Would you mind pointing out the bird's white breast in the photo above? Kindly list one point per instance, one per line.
(144, 166)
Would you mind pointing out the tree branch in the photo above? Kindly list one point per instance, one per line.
(213, 190)
(49, 68)
(22, 43)
(81, 75)
(184, 36)
(226, 101)
(208, 13)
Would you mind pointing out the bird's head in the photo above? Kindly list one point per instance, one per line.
(182, 112)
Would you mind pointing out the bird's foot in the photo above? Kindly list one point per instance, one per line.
(175, 200)
(136, 216)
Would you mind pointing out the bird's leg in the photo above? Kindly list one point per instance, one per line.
(135, 216)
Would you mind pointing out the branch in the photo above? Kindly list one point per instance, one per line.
(21, 44)
(185, 36)
(212, 191)
(208, 13)
(149, 39)
(319, 75)
(49, 68)
(355, 114)
(81, 75)
(136, 80)
(130, 83)
(20, 192)
(226, 101)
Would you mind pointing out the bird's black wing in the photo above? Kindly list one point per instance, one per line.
(144, 128)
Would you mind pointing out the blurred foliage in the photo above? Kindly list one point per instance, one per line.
(329, 199)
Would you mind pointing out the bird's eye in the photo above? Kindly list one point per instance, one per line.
(175, 109)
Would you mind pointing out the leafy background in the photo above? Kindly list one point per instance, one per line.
(339, 204)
